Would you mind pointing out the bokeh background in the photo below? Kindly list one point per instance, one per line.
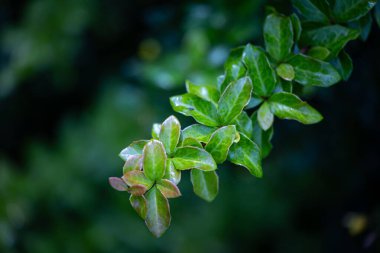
(81, 79)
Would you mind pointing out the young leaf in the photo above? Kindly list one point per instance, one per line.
(170, 133)
(234, 99)
(260, 137)
(244, 124)
(349, 10)
(234, 68)
(312, 10)
(310, 71)
(134, 162)
(205, 184)
(156, 131)
(288, 106)
(193, 158)
(137, 190)
(343, 64)
(278, 36)
(207, 92)
(139, 204)
(168, 189)
(191, 142)
(246, 153)
(261, 73)
(158, 212)
(320, 53)
(135, 148)
(265, 116)
(137, 177)
(202, 111)
(171, 173)
(199, 132)
(285, 71)
(297, 28)
(154, 160)
(220, 143)
(117, 183)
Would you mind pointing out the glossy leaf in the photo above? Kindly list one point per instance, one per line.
(135, 148)
(206, 92)
(201, 110)
(156, 131)
(278, 36)
(168, 189)
(171, 173)
(343, 64)
(205, 184)
(265, 116)
(170, 133)
(310, 71)
(320, 53)
(193, 158)
(260, 137)
(137, 177)
(349, 10)
(234, 67)
(199, 132)
(191, 142)
(158, 212)
(154, 160)
(288, 106)
(220, 143)
(253, 102)
(244, 124)
(246, 153)
(259, 70)
(139, 204)
(312, 10)
(297, 28)
(285, 71)
(233, 100)
(134, 162)
(117, 183)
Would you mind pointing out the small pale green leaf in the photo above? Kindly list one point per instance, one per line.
(171, 173)
(220, 143)
(244, 124)
(156, 131)
(154, 160)
(193, 158)
(343, 64)
(205, 184)
(137, 177)
(246, 153)
(134, 162)
(135, 148)
(297, 28)
(201, 110)
(260, 137)
(265, 116)
(199, 132)
(233, 100)
(139, 204)
(312, 10)
(288, 106)
(310, 71)
(158, 212)
(278, 36)
(168, 189)
(349, 10)
(191, 142)
(206, 92)
(170, 133)
(285, 71)
(320, 53)
(117, 183)
(234, 67)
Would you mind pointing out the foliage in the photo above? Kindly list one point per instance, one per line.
(259, 82)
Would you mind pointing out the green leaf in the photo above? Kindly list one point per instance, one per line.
(168, 189)
(205, 184)
(135, 148)
(349, 10)
(193, 158)
(288, 106)
(134, 162)
(286, 86)
(171, 173)
(117, 183)
(259, 70)
(260, 137)
(377, 14)
(191, 142)
(265, 116)
(206, 92)
(156, 131)
(246, 153)
(154, 160)
(158, 212)
(285, 71)
(199, 132)
(363, 25)
(333, 37)
(137, 177)
(310, 71)
(202, 111)
(139, 204)
(297, 28)
(343, 64)
(312, 10)
(320, 53)
(244, 124)
(170, 133)
(220, 143)
(234, 99)
(278, 36)
(234, 67)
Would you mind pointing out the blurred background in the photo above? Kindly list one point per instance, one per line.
(81, 79)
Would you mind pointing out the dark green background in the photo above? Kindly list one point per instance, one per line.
(81, 79)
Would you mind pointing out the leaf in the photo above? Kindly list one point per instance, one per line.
(170, 133)
(234, 99)
(168, 189)
(297, 28)
(202, 111)
(265, 116)
(320, 53)
(349, 10)
(286, 86)
(134, 162)
(135, 148)
(207, 92)
(363, 25)
(332, 37)
(139, 204)
(260, 137)
(244, 124)
(117, 183)
(205, 184)
(285, 71)
(191, 142)
(193, 158)
(137, 190)
(310, 71)
(158, 212)
(288, 106)
(171, 173)
(259, 70)
(220, 143)
(137, 177)
(156, 131)
(377, 14)
(312, 10)
(246, 153)
(234, 68)
(278, 36)
(343, 64)
(154, 160)
(199, 132)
